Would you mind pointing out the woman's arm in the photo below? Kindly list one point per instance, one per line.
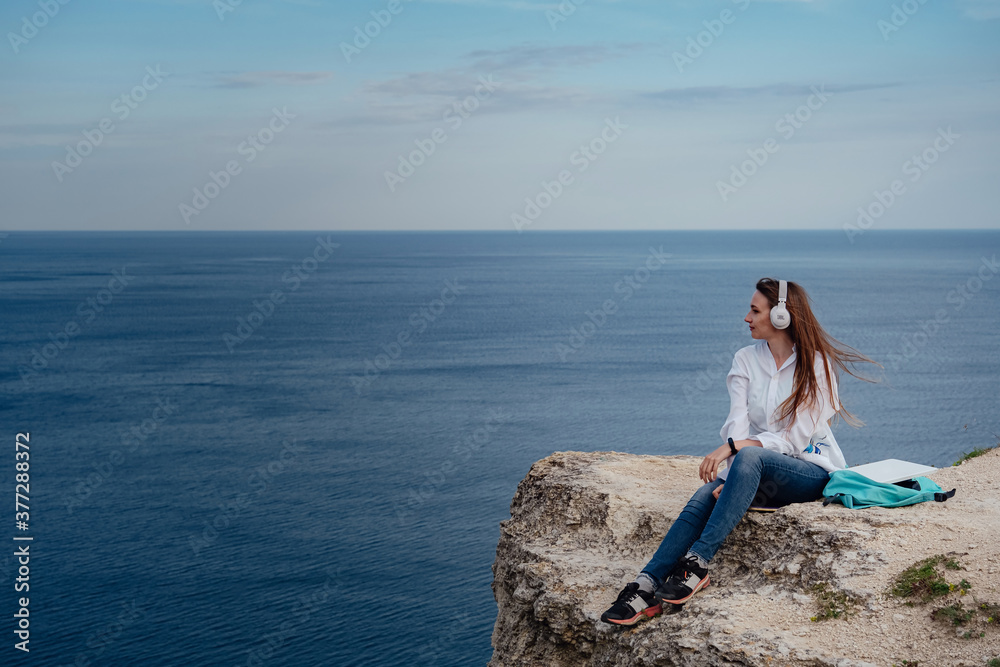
(737, 425)
(709, 468)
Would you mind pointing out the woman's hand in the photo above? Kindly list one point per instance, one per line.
(709, 468)
(718, 490)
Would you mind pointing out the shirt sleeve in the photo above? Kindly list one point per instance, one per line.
(795, 438)
(737, 425)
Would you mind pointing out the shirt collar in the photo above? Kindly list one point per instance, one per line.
(765, 353)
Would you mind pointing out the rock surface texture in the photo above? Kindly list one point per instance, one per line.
(583, 524)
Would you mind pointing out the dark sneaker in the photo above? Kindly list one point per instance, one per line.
(687, 579)
(632, 606)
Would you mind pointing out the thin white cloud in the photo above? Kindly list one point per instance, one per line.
(517, 5)
(525, 85)
(525, 56)
(420, 96)
(268, 77)
(684, 96)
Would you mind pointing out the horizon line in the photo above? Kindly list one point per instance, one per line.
(463, 231)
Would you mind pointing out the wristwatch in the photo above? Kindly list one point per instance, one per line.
(732, 446)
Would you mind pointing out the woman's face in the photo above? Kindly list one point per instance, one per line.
(759, 317)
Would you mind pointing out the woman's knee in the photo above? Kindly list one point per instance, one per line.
(749, 452)
(749, 456)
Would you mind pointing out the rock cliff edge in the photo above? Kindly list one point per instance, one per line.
(583, 524)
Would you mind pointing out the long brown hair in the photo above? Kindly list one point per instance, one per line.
(809, 338)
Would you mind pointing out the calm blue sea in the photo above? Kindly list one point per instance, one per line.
(268, 449)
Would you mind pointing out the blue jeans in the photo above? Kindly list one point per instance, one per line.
(758, 477)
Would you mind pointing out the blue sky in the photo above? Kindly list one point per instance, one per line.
(597, 114)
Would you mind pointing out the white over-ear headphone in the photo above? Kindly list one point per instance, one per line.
(780, 317)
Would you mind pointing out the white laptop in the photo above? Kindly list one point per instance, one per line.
(892, 470)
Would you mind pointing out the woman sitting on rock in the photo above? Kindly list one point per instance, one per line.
(779, 445)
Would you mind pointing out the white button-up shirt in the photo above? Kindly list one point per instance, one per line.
(756, 389)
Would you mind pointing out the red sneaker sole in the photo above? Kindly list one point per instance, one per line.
(700, 586)
(648, 612)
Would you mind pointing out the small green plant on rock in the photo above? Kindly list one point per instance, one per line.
(974, 453)
(956, 614)
(923, 580)
(991, 612)
(830, 603)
